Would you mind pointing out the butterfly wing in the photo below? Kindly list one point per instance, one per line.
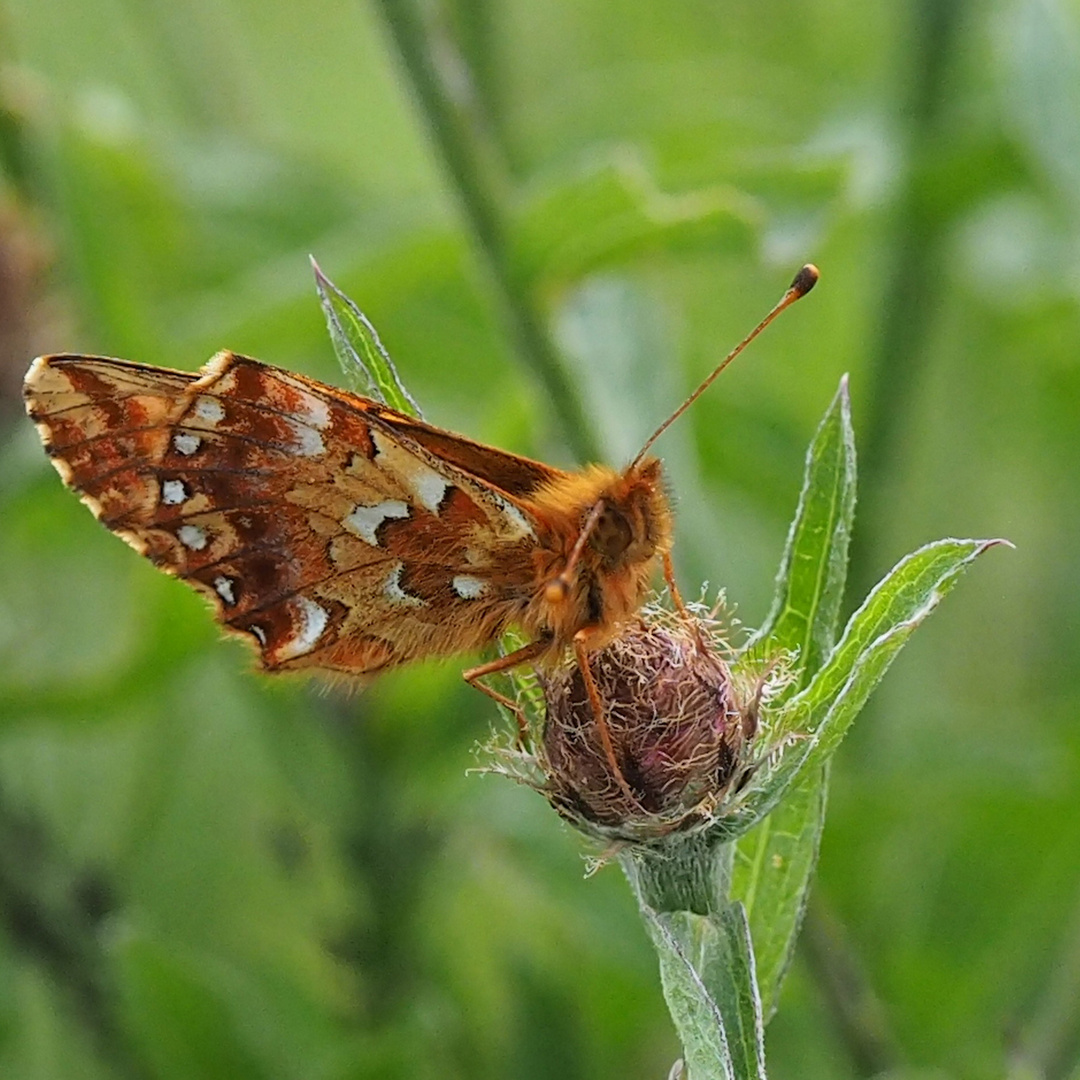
(335, 532)
(519, 477)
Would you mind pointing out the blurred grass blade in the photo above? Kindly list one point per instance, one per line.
(707, 971)
(815, 721)
(358, 348)
(180, 1016)
(775, 861)
(1040, 47)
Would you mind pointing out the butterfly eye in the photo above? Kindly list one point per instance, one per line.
(612, 535)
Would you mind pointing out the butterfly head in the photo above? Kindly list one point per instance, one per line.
(625, 526)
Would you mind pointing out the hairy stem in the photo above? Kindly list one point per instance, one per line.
(690, 873)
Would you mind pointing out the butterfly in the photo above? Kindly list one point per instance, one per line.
(340, 535)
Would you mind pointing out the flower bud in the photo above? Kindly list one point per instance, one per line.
(675, 730)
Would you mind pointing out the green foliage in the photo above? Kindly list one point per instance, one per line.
(613, 213)
(775, 864)
(707, 967)
(815, 720)
(309, 871)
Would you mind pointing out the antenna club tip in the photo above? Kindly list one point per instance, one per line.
(804, 280)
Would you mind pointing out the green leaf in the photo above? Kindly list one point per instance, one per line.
(707, 972)
(814, 722)
(813, 571)
(775, 861)
(358, 348)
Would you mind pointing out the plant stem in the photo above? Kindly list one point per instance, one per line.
(690, 873)
(857, 1011)
(474, 29)
(445, 94)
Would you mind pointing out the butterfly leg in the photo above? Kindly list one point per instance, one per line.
(673, 588)
(504, 663)
(677, 600)
(581, 654)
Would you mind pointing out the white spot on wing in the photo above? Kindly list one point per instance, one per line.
(186, 443)
(173, 492)
(313, 620)
(259, 633)
(394, 592)
(469, 587)
(223, 586)
(210, 409)
(309, 442)
(383, 445)
(429, 486)
(314, 410)
(519, 523)
(191, 536)
(365, 520)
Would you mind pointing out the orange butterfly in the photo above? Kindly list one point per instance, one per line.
(339, 534)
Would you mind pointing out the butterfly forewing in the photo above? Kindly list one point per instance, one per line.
(335, 532)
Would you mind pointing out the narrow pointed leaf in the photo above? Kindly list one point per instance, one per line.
(896, 605)
(697, 1016)
(775, 861)
(816, 719)
(813, 571)
(738, 994)
(358, 348)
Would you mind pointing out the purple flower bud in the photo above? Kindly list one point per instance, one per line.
(676, 731)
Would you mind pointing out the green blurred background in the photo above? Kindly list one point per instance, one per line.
(206, 874)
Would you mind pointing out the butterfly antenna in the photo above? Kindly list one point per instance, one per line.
(558, 587)
(803, 282)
